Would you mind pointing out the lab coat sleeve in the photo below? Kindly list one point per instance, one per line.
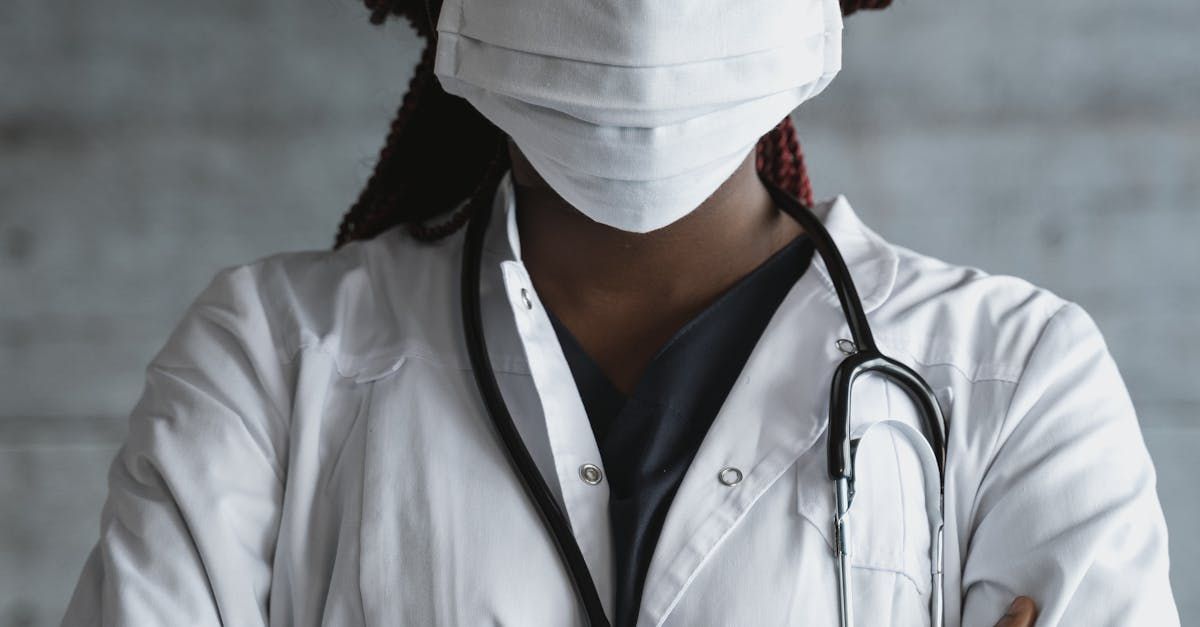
(1067, 512)
(188, 530)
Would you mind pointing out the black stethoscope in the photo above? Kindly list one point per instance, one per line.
(864, 358)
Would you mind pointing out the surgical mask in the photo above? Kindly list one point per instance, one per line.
(636, 111)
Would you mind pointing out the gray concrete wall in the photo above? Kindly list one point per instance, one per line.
(145, 144)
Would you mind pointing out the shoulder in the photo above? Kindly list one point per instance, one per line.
(364, 304)
(1015, 362)
(987, 326)
(1037, 411)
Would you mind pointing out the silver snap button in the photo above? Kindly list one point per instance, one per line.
(730, 476)
(525, 298)
(846, 346)
(590, 473)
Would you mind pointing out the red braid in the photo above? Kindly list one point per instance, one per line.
(443, 157)
(780, 160)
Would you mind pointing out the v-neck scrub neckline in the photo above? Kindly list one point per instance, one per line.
(647, 439)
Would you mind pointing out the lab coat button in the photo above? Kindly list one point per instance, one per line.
(730, 476)
(590, 473)
(525, 298)
(846, 346)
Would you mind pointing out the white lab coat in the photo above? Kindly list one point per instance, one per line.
(310, 449)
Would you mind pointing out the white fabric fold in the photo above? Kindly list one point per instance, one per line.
(629, 96)
(636, 111)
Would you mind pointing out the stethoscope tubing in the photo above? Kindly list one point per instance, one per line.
(518, 454)
(865, 358)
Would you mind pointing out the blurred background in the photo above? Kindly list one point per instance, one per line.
(145, 144)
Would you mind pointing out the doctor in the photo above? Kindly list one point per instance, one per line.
(311, 446)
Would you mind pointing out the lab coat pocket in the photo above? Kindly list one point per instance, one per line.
(888, 525)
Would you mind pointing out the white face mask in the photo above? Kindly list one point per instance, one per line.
(636, 111)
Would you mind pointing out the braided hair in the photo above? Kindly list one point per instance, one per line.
(441, 155)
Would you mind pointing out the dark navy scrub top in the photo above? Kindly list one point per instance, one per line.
(648, 439)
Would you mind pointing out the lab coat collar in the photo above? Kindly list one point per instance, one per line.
(871, 259)
(771, 417)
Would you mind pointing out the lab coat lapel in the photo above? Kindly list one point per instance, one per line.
(774, 414)
(871, 259)
(554, 424)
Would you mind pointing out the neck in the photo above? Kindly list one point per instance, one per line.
(615, 289)
(730, 233)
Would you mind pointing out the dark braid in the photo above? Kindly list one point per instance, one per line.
(441, 155)
(850, 6)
